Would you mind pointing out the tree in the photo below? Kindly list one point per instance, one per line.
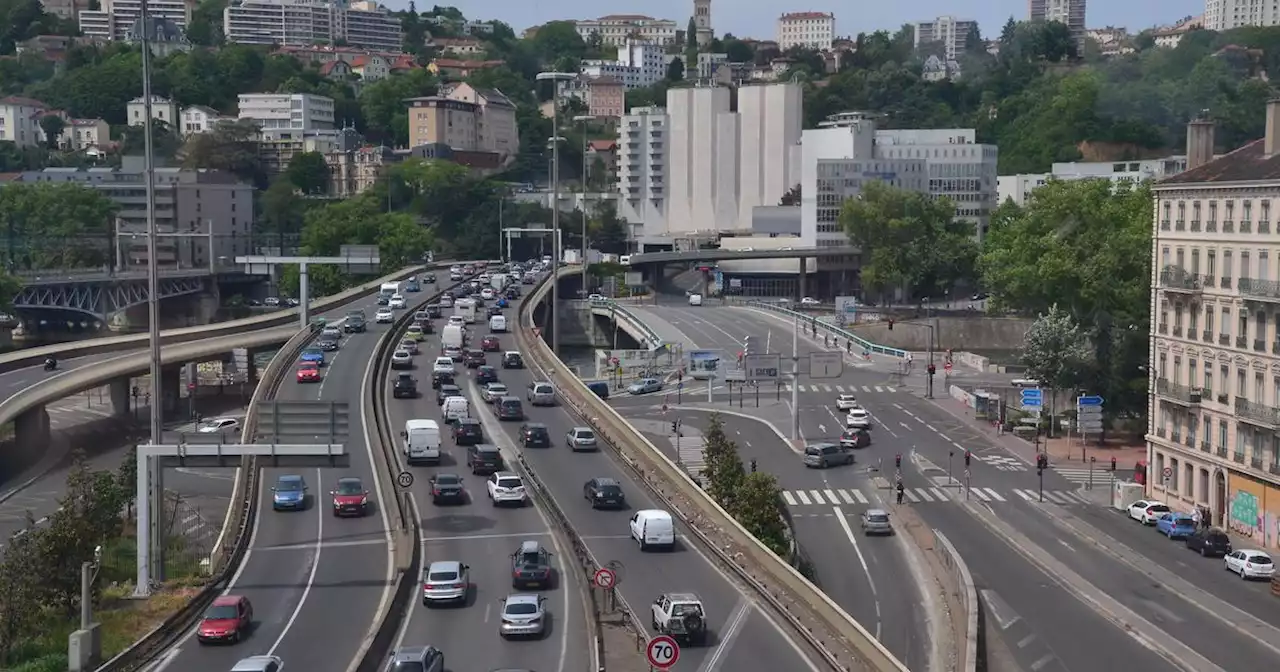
(908, 240)
(309, 173)
(52, 125)
(691, 46)
(386, 117)
(231, 146)
(792, 197)
(758, 507)
(205, 28)
(722, 473)
(738, 51)
(164, 142)
(282, 214)
(1057, 353)
(62, 225)
(611, 237)
(556, 39)
(127, 479)
(675, 71)
(21, 609)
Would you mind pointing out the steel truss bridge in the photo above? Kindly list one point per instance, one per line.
(100, 296)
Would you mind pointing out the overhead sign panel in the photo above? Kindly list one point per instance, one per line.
(826, 364)
(762, 367)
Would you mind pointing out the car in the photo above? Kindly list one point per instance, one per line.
(859, 418)
(484, 459)
(446, 301)
(457, 321)
(492, 392)
(486, 375)
(509, 408)
(401, 359)
(594, 297)
(384, 316)
(581, 438)
(308, 372)
(824, 455)
(531, 567)
(468, 432)
(535, 435)
(541, 393)
(443, 365)
(681, 617)
(505, 487)
(846, 402)
(408, 345)
(271, 301)
(445, 582)
(226, 621)
(445, 391)
(855, 437)
(487, 292)
(433, 311)
(810, 302)
(452, 352)
(425, 325)
(447, 489)
(415, 333)
(1250, 564)
(473, 358)
(1147, 512)
(327, 343)
(218, 426)
(1209, 542)
(603, 492)
(441, 378)
(415, 659)
(331, 332)
(523, 615)
(512, 359)
(396, 302)
(404, 387)
(289, 492)
(259, 664)
(1025, 382)
(354, 324)
(876, 521)
(1175, 525)
(490, 344)
(645, 386)
(350, 497)
(312, 355)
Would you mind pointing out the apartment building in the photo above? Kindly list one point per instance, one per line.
(1170, 36)
(950, 33)
(287, 114)
(1214, 408)
(467, 119)
(646, 59)
(65, 9)
(1068, 12)
(20, 120)
(1222, 15)
(365, 25)
(615, 29)
(606, 98)
(1019, 188)
(811, 30)
(162, 109)
(958, 167)
(642, 151)
(113, 19)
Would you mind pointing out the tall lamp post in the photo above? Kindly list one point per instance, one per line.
(556, 78)
(584, 119)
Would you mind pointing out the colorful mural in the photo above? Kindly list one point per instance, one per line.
(1253, 510)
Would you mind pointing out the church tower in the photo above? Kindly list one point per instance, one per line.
(702, 20)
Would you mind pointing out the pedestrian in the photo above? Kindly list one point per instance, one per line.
(1196, 518)
(901, 491)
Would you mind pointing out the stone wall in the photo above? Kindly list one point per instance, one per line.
(955, 333)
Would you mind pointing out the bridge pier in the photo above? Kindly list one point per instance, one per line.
(121, 390)
(171, 391)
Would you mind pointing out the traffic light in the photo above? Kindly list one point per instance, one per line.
(897, 460)
(675, 426)
(1042, 461)
(932, 369)
(753, 465)
(1113, 463)
(967, 456)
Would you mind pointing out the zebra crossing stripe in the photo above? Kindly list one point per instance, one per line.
(1026, 495)
(817, 497)
(977, 492)
(924, 494)
(858, 494)
(804, 499)
(994, 495)
(1054, 497)
(940, 494)
(831, 496)
(786, 495)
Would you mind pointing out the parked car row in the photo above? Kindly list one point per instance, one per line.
(1207, 541)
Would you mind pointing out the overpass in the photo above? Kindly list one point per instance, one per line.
(101, 295)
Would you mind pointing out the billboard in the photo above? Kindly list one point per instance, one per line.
(704, 364)
(846, 309)
(762, 367)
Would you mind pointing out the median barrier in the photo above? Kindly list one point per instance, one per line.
(27, 357)
(968, 595)
(828, 629)
(240, 517)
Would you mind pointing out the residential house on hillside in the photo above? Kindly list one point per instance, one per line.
(20, 120)
(199, 119)
(457, 69)
(606, 98)
(338, 71)
(355, 171)
(458, 46)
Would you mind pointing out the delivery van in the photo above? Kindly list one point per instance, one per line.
(498, 323)
(454, 409)
(653, 527)
(453, 336)
(421, 441)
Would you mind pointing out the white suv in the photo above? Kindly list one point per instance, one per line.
(443, 365)
(506, 487)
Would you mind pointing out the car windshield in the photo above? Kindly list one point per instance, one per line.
(537, 431)
(878, 518)
(289, 485)
(522, 609)
(221, 612)
(442, 576)
(497, 388)
(509, 483)
(350, 488)
(310, 352)
(447, 479)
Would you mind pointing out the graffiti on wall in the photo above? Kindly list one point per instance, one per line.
(1244, 513)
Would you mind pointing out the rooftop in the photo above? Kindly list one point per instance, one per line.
(800, 16)
(1247, 164)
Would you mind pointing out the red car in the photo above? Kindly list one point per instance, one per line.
(490, 344)
(227, 620)
(308, 372)
(350, 498)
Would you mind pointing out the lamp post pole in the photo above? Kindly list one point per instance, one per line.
(584, 119)
(556, 78)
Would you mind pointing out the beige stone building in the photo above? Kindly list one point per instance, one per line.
(466, 118)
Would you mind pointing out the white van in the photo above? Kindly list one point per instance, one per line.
(695, 299)
(466, 309)
(453, 336)
(498, 323)
(454, 409)
(421, 441)
(653, 527)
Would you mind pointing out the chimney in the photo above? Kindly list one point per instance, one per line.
(1272, 142)
(1200, 142)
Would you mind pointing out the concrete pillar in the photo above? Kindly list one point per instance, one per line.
(802, 285)
(31, 429)
(171, 391)
(121, 395)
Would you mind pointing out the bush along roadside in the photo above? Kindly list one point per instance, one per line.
(753, 499)
(40, 573)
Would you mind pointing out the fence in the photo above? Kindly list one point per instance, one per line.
(651, 338)
(813, 323)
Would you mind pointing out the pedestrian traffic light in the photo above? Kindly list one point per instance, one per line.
(897, 460)
(932, 369)
(675, 426)
(753, 465)
(1113, 463)
(967, 456)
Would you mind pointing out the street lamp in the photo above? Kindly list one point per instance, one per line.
(584, 119)
(556, 78)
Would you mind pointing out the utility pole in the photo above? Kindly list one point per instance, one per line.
(795, 379)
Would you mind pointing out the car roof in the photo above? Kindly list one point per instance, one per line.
(507, 474)
(289, 477)
(535, 425)
(580, 428)
(605, 480)
(522, 598)
(255, 663)
(511, 352)
(877, 512)
(683, 597)
(227, 600)
(1254, 551)
(486, 448)
(530, 546)
(445, 566)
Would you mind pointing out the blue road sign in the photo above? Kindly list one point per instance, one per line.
(1032, 397)
(1091, 400)
(680, 385)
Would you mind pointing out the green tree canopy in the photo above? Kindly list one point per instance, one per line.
(231, 146)
(57, 225)
(309, 173)
(722, 473)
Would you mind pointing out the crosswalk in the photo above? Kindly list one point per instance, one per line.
(842, 389)
(854, 496)
(1081, 475)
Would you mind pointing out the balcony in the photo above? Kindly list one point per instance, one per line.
(1257, 414)
(1259, 345)
(1275, 348)
(1241, 341)
(1224, 282)
(1260, 290)
(1246, 226)
(1222, 398)
(1211, 226)
(1180, 225)
(1228, 226)
(1183, 394)
(1164, 225)
(1177, 279)
(1160, 432)
(1206, 336)
(1224, 339)
(1221, 451)
(1238, 456)
(1177, 331)
(1205, 447)
(1195, 226)
(1264, 227)
(1274, 468)
(1256, 462)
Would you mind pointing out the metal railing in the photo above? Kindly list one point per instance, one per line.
(839, 333)
(1174, 277)
(1261, 289)
(1257, 412)
(1184, 393)
(651, 337)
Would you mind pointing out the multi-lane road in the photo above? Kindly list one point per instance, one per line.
(1137, 599)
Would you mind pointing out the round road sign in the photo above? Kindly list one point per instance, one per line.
(948, 366)
(191, 386)
(662, 652)
(1168, 471)
(613, 360)
(405, 479)
(604, 578)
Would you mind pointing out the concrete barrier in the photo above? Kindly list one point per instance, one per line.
(826, 627)
(968, 597)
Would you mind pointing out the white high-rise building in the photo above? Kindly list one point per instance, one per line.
(811, 30)
(1222, 15)
(770, 123)
(643, 146)
(647, 59)
(287, 115)
(704, 157)
(949, 31)
(959, 168)
(364, 25)
(115, 17)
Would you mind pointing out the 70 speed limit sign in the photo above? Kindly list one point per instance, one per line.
(662, 652)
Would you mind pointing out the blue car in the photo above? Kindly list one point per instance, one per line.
(289, 493)
(1176, 525)
(313, 355)
(502, 303)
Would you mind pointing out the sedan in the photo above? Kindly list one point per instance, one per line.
(308, 372)
(486, 375)
(846, 402)
(855, 438)
(415, 333)
(401, 359)
(289, 492)
(327, 343)
(604, 493)
(445, 581)
(581, 438)
(228, 619)
(493, 391)
(447, 489)
(523, 615)
(397, 302)
(1176, 525)
(409, 345)
(313, 355)
(1250, 564)
(384, 316)
(1147, 512)
(350, 497)
(645, 386)
(490, 344)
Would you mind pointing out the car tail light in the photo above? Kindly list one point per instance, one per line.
(436, 491)
(459, 586)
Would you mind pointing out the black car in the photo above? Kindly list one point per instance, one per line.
(535, 435)
(531, 567)
(473, 358)
(484, 459)
(447, 489)
(433, 310)
(1211, 541)
(405, 387)
(327, 343)
(468, 432)
(604, 492)
(446, 391)
(486, 375)
(495, 309)
(512, 360)
(509, 408)
(354, 324)
(426, 326)
(512, 293)
(440, 379)
(430, 278)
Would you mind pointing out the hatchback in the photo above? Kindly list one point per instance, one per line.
(823, 455)
(535, 435)
(523, 616)
(1147, 512)
(1175, 525)
(580, 438)
(227, 620)
(444, 582)
(467, 432)
(486, 375)
(509, 408)
(1250, 564)
(876, 521)
(604, 493)
(541, 394)
(1209, 542)
(484, 459)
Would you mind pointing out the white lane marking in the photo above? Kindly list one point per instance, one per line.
(994, 495)
(791, 501)
(831, 496)
(327, 544)
(479, 537)
(732, 628)
(924, 494)
(862, 499)
(311, 578)
(804, 499)
(853, 539)
(911, 496)
(940, 494)
(980, 494)
(817, 497)
(844, 494)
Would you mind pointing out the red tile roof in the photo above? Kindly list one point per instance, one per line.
(796, 16)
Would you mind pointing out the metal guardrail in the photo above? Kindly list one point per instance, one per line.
(819, 325)
(826, 627)
(651, 337)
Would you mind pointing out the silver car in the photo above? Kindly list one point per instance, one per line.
(541, 394)
(876, 521)
(409, 345)
(445, 581)
(259, 664)
(416, 658)
(581, 438)
(523, 615)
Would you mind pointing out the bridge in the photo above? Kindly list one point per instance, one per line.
(721, 254)
(100, 294)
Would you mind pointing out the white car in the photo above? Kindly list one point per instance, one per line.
(1147, 511)
(1024, 382)
(396, 302)
(219, 425)
(384, 316)
(596, 297)
(457, 321)
(809, 301)
(846, 402)
(401, 359)
(443, 365)
(493, 392)
(486, 294)
(409, 345)
(506, 487)
(1250, 564)
(858, 417)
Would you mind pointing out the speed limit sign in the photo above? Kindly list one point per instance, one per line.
(662, 652)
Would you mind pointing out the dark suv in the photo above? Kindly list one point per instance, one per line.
(509, 408)
(535, 435)
(473, 358)
(354, 323)
(445, 391)
(406, 387)
(531, 567)
(467, 432)
(1211, 541)
(485, 459)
